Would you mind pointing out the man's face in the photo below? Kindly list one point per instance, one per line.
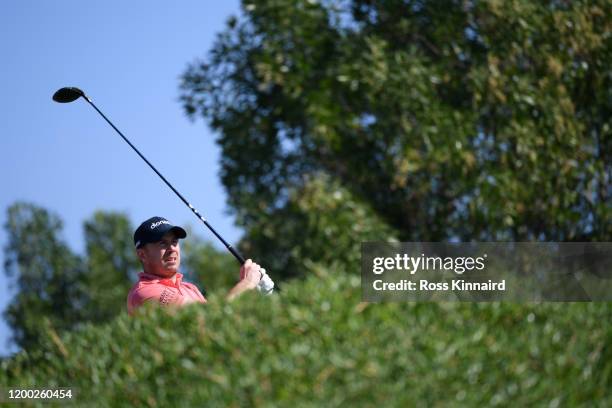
(161, 258)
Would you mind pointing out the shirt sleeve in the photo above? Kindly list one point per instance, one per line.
(151, 293)
(196, 292)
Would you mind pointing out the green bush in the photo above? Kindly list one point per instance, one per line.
(316, 344)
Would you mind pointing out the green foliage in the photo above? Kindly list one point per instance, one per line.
(450, 120)
(45, 270)
(321, 223)
(317, 345)
(214, 270)
(111, 265)
(57, 286)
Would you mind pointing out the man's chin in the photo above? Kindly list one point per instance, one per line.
(172, 269)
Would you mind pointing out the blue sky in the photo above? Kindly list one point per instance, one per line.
(127, 56)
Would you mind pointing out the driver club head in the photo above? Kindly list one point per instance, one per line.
(67, 94)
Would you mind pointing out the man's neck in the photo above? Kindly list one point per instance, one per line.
(173, 278)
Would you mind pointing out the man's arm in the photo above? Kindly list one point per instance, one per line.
(249, 278)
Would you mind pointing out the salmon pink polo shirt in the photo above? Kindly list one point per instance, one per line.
(163, 291)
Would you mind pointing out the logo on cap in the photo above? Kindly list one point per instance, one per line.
(153, 229)
(158, 223)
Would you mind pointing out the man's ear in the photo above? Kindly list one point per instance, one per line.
(141, 254)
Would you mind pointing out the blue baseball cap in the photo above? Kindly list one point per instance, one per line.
(153, 230)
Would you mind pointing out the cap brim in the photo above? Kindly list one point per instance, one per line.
(178, 231)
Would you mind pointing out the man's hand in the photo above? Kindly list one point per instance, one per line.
(249, 278)
(249, 272)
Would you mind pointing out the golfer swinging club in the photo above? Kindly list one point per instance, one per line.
(157, 247)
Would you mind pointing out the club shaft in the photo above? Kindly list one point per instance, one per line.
(230, 248)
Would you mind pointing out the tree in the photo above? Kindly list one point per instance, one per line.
(321, 225)
(57, 287)
(451, 120)
(47, 274)
(212, 269)
(111, 264)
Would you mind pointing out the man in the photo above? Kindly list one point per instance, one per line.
(157, 247)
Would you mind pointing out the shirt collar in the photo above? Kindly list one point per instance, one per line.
(164, 281)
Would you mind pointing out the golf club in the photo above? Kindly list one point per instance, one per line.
(71, 94)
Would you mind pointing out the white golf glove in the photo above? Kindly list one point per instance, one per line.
(265, 285)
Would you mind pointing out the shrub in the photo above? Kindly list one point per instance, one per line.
(316, 344)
